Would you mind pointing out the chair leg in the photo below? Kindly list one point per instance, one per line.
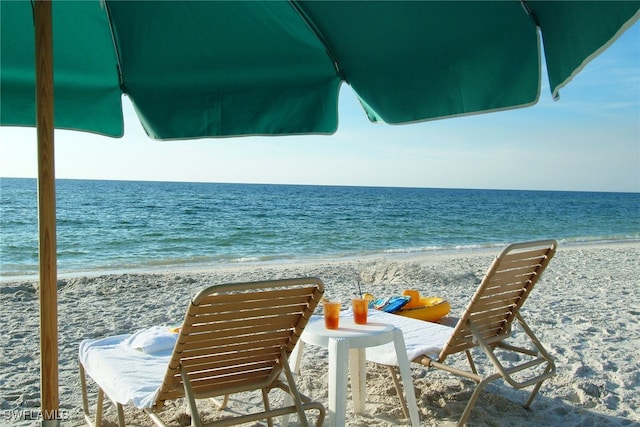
(267, 407)
(472, 365)
(99, 406)
(120, 415)
(220, 405)
(549, 370)
(85, 400)
(97, 420)
(191, 401)
(394, 376)
(293, 390)
(474, 396)
(536, 388)
(532, 395)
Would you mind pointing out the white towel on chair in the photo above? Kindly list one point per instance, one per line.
(420, 338)
(153, 340)
(126, 375)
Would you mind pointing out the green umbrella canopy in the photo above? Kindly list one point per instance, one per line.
(207, 69)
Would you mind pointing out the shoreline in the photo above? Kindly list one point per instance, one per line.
(207, 267)
(581, 310)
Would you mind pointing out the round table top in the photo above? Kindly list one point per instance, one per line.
(358, 336)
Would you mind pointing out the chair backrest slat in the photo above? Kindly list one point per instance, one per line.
(249, 314)
(235, 330)
(501, 294)
(239, 345)
(234, 335)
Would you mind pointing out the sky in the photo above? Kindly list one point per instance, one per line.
(589, 140)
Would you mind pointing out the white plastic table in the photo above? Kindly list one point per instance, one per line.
(347, 345)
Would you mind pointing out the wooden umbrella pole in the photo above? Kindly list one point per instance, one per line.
(46, 214)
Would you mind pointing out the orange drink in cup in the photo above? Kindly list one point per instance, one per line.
(331, 314)
(360, 308)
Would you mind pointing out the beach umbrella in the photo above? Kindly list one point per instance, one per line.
(196, 69)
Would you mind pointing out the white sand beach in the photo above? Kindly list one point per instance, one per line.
(585, 310)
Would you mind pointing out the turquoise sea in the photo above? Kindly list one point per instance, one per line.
(115, 226)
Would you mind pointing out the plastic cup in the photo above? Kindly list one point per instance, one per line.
(331, 314)
(360, 309)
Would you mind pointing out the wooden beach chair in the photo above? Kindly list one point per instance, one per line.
(234, 338)
(486, 323)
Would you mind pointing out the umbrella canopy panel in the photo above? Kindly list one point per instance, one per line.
(219, 68)
(576, 32)
(224, 68)
(88, 96)
(432, 59)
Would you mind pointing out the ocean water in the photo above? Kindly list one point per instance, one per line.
(115, 226)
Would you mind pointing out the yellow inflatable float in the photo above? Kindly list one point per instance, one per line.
(430, 309)
(412, 304)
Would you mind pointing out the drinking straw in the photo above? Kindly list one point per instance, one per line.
(359, 289)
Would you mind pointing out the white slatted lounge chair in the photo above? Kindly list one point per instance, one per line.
(486, 323)
(234, 338)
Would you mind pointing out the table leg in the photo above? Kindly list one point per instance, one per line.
(357, 371)
(407, 380)
(338, 360)
(296, 357)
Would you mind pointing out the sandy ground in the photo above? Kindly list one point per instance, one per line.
(585, 310)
